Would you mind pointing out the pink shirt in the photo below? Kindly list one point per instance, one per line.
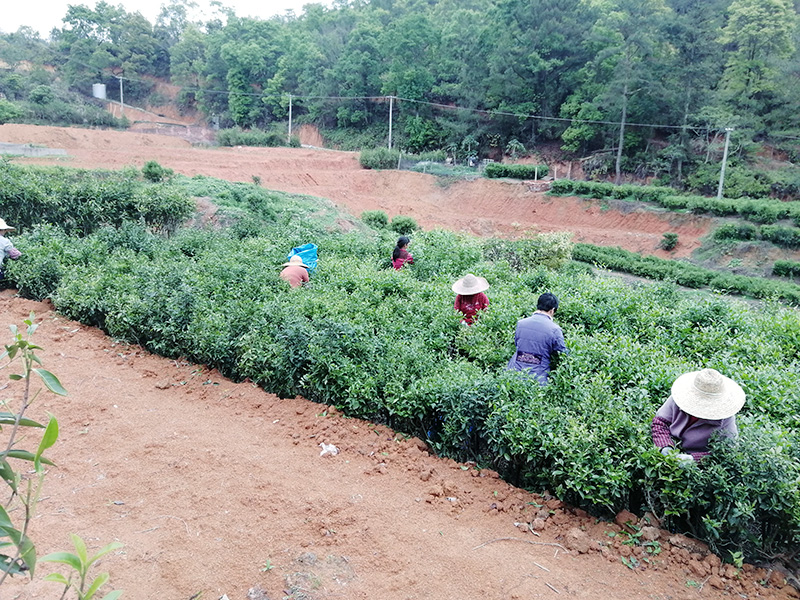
(295, 275)
(470, 305)
(405, 257)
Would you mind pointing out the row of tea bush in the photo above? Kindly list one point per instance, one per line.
(387, 346)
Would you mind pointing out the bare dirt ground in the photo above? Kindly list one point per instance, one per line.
(482, 207)
(217, 488)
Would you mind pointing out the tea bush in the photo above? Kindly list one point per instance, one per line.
(253, 137)
(404, 225)
(762, 210)
(388, 346)
(685, 273)
(379, 158)
(377, 219)
(786, 268)
(83, 201)
(497, 170)
(735, 231)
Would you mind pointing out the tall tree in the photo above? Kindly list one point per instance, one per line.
(539, 47)
(629, 50)
(696, 65)
(758, 34)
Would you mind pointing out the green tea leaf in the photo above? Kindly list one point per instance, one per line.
(48, 439)
(25, 455)
(98, 582)
(8, 475)
(7, 418)
(105, 550)
(66, 558)
(80, 548)
(51, 381)
(58, 578)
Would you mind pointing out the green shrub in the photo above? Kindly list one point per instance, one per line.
(562, 187)
(9, 111)
(379, 158)
(497, 170)
(253, 137)
(735, 231)
(404, 225)
(669, 241)
(786, 268)
(377, 219)
(788, 237)
(154, 172)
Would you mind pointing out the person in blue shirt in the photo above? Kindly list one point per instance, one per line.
(538, 340)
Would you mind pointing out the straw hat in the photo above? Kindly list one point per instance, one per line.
(5, 226)
(469, 284)
(295, 261)
(708, 394)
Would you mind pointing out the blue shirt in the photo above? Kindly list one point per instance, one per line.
(537, 339)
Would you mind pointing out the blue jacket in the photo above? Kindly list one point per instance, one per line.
(537, 339)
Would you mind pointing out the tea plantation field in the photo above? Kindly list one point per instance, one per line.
(387, 345)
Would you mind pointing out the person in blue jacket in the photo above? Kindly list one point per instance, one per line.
(538, 340)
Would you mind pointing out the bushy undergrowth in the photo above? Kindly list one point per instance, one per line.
(386, 345)
(763, 210)
(379, 158)
(252, 137)
(786, 268)
(497, 170)
(82, 201)
(686, 274)
(787, 237)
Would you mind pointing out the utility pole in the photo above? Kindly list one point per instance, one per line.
(289, 140)
(391, 107)
(724, 161)
(121, 101)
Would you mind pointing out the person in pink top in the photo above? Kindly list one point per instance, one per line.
(470, 297)
(401, 255)
(295, 273)
(702, 404)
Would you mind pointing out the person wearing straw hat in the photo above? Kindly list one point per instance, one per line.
(7, 249)
(539, 340)
(295, 272)
(702, 404)
(470, 297)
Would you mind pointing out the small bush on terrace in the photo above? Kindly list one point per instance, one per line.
(154, 172)
(786, 268)
(253, 137)
(669, 241)
(379, 158)
(404, 225)
(735, 231)
(377, 219)
(497, 170)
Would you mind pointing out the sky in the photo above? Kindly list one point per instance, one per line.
(43, 15)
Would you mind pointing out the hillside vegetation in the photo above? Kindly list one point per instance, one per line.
(638, 88)
(388, 346)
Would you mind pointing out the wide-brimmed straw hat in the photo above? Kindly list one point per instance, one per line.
(708, 394)
(5, 226)
(295, 261)
(470, 284)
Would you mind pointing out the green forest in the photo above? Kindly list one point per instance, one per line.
(639, 88)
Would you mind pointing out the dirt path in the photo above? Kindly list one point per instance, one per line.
(481, 207)
(207, 483)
